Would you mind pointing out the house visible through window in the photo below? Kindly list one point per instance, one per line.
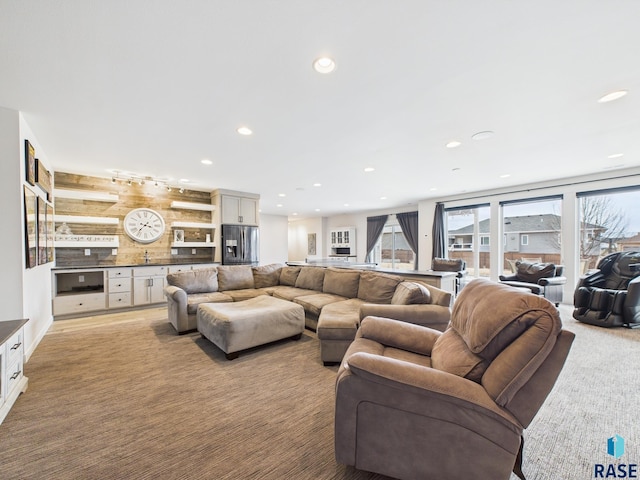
(484, 240)
(524, 240)
(392, 249)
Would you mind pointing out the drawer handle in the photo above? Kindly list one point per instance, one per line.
(16, 346)
(16, 375)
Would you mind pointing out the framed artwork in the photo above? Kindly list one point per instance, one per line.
(311, 244)
(43, 178)
(178, 236)
(31, 227)
(42, 231)
(30, 162)
(50, 251)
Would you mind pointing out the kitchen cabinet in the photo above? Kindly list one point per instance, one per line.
(236, 210)
(148, 285)
(12, 379)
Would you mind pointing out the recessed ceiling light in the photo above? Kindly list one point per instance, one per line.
(206, 161)
(324, 65)
(482, 135)
(454, 144)
(184, 180)
(317, 209)
(611, 96)
(369, 169)
(505, 175)
(616, 155)
(282, 194)
(433, 189)
(346, 204)
(279, 205)
(317, 184)
(244, 131)
(294, 214)
(383, 198)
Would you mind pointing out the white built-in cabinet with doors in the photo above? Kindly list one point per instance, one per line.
(148, 284)
(12, 379)
(237, 207)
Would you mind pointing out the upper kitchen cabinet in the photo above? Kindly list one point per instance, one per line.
(237, 207)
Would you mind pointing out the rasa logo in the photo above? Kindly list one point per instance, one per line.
(615, 448)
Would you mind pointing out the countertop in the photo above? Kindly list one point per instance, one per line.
(375, 268)
(169, 264)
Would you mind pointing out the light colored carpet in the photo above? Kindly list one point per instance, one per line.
(134, 400)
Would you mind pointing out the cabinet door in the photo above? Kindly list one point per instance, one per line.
(141, 294)
(156, 290)
(230, 209)
(249, 211)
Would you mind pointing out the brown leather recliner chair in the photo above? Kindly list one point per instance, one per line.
(544, 279)
(414, 403)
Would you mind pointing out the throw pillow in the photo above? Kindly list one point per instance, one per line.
(410, 293)
(376, 287)
(289, 275)
(267, 275)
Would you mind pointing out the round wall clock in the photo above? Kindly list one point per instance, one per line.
(144, 225)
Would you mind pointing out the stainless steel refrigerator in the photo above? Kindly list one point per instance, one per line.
(239, 245)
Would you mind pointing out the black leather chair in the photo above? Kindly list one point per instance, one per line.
(610, 295)
(451, 265)
(544, 279)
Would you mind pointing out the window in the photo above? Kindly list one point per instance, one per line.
(392, 249)
(468, 234)
(531, 231)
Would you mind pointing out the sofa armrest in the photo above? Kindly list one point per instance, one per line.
(176, 294)
(397, 334)
(428, 315)
(534, 287)
(552, 281)
(508, 278)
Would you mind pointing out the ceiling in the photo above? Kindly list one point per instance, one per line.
(152, 87)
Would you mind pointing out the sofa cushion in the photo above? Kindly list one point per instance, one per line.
(289, 293)
(196, 299)
(409, 293)
(313, 304)
(452, 355)
(289, 275)
(375, 287)
(532, 272)
(310, 278)
(340, 320)
(235, 277)
(266, 275)
(195, 281)
(340, 281)
(245, 293)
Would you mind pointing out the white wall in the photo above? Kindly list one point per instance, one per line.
(24, 293)
(273, 239)
(298, 239)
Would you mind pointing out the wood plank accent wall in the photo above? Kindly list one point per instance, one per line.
(130, 197)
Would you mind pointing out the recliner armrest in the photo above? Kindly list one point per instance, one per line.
(399, 334)
(552, 281)
(428, 315)
(508, 278)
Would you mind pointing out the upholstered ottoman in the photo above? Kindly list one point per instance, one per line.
(237, 326)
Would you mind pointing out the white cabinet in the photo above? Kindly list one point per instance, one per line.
(148, 285)
(119, 285)
(239, 210)
(12, 379)
(78, 291)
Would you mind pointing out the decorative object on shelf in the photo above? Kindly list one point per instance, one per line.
(178, 236)
(42, 231)
(144, 225)
(43, 178)
(63, 229)
(208, 238)
(49, 233)
(30, 162)
(311, 244)
(31, 227)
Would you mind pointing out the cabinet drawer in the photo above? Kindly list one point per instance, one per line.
(119, 272)
(13, 375)
(15, 347)
(78, 303)
(117, 285)
(149, 271)
(179, 268)
(117, 300)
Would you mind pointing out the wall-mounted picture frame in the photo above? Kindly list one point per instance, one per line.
(178, 236)
(311, 244)
(30, 162)
(43, 178)
(31, 227)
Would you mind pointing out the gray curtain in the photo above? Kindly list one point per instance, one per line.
(375, 225)
(439, 235)
(409, 225)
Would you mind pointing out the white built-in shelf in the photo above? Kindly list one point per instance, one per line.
(193, 206)
(192, 225)
(84, 219)
(192, 244)
(85, 195)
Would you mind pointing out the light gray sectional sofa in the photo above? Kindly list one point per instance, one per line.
(334, 299)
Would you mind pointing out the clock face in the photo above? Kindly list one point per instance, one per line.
(144, 225)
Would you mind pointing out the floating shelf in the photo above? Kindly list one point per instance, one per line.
(192, 225)
(192, 244)
(85, 195)
(83, 219)
(193, 206)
